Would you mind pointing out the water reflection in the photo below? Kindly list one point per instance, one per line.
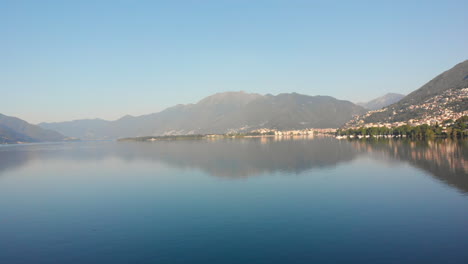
(237, 158)
(446, 160)
(224, 158)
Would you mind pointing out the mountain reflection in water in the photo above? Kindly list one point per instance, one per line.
(446, 160)
(237, 158)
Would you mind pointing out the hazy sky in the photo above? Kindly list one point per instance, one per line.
(67, 60)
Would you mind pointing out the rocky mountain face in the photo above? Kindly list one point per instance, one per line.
(221, 113)
(14, 130)
(382, 101)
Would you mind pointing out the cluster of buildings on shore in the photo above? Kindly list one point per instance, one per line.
(434, 111)
(297, 132)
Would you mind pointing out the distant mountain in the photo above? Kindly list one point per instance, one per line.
(83, 129)
(445, 84)
(382, 101)
(221, 113)
(14, 130)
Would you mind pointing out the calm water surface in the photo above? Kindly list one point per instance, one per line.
(235, 201)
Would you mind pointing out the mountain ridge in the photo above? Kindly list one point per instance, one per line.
(443, 97)
(222, 113)
(14, 130)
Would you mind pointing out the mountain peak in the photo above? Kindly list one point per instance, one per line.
(382, 101)
(233, 97)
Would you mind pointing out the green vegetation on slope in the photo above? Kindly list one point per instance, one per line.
(449, 128)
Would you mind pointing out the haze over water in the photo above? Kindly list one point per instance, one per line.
(257, 200)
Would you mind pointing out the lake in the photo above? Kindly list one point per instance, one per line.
(252, 200)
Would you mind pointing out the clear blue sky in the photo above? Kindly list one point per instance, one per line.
(65, 60)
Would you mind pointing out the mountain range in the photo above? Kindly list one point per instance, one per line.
(235, 112)
(382, 101)
(229, 112)
(15, 130)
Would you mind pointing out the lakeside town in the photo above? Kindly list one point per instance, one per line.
(447, 123)
(447, 128)
(450, 105)
(264, 132)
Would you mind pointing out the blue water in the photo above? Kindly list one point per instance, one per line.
(235, 201)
